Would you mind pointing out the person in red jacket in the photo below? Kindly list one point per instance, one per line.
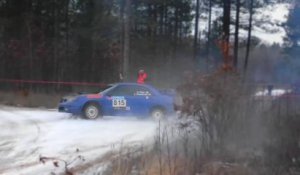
(142, 76)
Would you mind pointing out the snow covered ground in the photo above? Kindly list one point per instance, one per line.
(274, 93)
(27, 134)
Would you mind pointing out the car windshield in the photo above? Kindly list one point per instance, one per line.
(107, 89)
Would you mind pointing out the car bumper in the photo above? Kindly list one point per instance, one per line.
(68, 108)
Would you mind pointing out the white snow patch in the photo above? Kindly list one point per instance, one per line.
(27, 134)
(274, 93)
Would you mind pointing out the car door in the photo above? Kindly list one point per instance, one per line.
(140, 100)
(118, 100)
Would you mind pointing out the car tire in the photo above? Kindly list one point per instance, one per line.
(91, 111)
(158, 114)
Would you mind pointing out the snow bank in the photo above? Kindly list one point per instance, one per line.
(28, 134)
(274, 93)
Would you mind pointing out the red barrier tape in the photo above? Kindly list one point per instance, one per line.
(102, 84)
(53, 82)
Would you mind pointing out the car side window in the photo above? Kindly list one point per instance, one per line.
(141, 91)
(120, 91)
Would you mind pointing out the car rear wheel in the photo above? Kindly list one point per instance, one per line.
(158, 114)
(91, 111)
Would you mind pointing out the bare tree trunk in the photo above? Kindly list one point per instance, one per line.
(30, 45)
(226, 32)
(149, 30)
(249, 36)
(196, 30)
(226, 19)
(176, 27)
(209, 33)
(155, 15)
(55, 45)
(67, 37)
(121, 67)
(126, 40)
(54, 42)
(236, 35)
(167, 31)
(161, 20)
(176, 16)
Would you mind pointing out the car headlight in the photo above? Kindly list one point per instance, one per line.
(68, 99)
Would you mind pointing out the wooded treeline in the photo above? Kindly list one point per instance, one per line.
(84, 40)
(57, 39)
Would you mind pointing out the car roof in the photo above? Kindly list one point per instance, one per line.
(131, 83)
(137, 84)
(153, 89)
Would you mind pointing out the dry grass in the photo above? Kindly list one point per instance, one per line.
(148, 163)
(231, 134)
(176, 166)
(221, 168)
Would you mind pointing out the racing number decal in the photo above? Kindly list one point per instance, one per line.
(119, 102)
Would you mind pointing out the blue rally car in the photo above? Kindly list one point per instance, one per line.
(122, 99)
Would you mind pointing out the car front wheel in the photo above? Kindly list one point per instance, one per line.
(158, 114)
(91, 111)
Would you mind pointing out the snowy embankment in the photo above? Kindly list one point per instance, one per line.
(274, 93)
(28, 134)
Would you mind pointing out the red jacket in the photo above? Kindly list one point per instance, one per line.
(141, 78)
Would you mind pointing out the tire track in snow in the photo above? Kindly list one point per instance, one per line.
(28, 134)
(20, 133)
